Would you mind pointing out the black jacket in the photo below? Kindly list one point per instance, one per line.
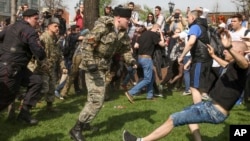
(19, 42)
(199, 50)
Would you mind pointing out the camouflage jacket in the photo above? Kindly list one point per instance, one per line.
(53, 54)
(103, 42)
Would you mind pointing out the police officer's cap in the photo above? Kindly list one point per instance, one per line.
(122, 12)
(51, 21)
(30, 13)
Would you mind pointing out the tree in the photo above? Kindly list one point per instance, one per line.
(243, 5)
(53, 4)
(91, 12)
(13, 11)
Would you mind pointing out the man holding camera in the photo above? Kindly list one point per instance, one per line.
(21, 10)
(62, 25)
(79, 17)
(176, 21)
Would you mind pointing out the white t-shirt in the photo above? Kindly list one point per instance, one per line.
(237, 34)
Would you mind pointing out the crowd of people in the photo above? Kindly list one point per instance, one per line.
(39, 54)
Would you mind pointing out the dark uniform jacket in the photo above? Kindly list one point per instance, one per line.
(19, 42)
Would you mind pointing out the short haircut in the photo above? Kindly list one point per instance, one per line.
(25, 4)
(195, 13)
(158, 7)
(238, 16)
(73, 27)
(131, 3)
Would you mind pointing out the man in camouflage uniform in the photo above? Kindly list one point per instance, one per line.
(109, 36)
(47, 68)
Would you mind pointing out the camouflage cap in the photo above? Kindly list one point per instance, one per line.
(51, 21)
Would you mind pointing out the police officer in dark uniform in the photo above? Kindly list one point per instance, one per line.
(19, 42)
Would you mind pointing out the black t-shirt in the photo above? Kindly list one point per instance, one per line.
(229, 86)
(147, 42)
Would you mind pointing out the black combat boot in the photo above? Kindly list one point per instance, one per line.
(76, 132)
(50, 107)
(25, 115)
(88, 127)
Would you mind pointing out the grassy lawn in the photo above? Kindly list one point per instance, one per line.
(139, 118)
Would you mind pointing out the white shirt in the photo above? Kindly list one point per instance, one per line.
(237, 34)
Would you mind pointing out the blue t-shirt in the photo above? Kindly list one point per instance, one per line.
(195, 30)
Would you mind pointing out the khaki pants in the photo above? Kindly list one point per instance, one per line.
(74, 72)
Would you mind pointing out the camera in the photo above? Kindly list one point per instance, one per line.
(176, 15)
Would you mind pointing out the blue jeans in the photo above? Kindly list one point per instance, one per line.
(130, 75)
(202, 112)
(148, 79)
(68, 63)
(186, 74)
(60, 86)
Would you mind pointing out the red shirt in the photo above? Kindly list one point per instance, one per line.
(79, 21)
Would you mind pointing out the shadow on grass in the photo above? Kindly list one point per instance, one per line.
(114, 123)
(73, 105)
(223, 136)
(47, 137)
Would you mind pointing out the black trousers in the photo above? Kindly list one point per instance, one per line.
(10, 81)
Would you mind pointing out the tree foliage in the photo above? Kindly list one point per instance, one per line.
(242, 5)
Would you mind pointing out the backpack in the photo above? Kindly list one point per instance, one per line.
(246, 32)
(215, 42)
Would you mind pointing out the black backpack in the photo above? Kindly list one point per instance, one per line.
(215, 42)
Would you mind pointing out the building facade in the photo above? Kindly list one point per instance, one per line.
(5, 7)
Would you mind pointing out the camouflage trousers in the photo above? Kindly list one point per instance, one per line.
(74, 72)
(48, 86)
(96, 85)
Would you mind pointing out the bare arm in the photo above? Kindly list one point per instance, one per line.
(222, 62)
(188, 46)
(227, 43)
(162, 42)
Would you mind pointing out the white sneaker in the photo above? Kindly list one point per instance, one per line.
(158, 95)
(61, 97)
(205, 97)
(186, 93)
(134, 83)
(57, 94)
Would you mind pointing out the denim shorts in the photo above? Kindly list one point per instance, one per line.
(202, 112)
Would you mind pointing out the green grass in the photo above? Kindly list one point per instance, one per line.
(139, 118)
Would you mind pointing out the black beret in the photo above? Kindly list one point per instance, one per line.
(122, 12)
(30, 13)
